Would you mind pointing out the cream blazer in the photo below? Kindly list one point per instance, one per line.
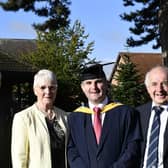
(30, 144)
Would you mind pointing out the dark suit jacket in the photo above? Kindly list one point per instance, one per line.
(119, 143)
(145, 112)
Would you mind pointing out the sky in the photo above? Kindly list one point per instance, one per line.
(100, 19)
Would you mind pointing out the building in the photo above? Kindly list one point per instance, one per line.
(143, 62)
(14, 73)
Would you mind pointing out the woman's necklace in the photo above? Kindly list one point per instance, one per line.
(50, 114)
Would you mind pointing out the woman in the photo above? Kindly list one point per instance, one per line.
(39, 133)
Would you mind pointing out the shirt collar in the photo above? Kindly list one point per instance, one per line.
(165, 106)
(100, 105)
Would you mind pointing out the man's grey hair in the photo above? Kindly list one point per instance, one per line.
(147, 76)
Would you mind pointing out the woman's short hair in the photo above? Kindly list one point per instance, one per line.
(42, 75)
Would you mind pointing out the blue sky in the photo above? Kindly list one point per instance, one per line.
(100, 19)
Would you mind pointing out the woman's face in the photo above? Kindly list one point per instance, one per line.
(46, 92)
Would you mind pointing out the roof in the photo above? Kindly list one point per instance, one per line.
(143, 61)
(10, 52)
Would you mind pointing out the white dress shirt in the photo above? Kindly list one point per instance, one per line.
(101, 105)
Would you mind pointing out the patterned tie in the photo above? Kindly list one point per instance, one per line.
(97, 123)
(152, 158)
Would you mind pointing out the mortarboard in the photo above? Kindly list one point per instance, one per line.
(92, 72)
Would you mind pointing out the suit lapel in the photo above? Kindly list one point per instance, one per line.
(90, 135)
(145, 120)
(82, 133)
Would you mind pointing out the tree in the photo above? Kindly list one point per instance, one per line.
(63, 51)
(150, 24)
(163, 26)
(129, 90)
(55, 11)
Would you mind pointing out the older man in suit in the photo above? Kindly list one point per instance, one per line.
(103, 134)
(153, 118)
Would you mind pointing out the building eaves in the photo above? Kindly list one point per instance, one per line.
(10, 52)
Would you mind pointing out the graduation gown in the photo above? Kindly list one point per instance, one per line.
(119, 142)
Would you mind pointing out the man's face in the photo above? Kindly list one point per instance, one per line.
(158, 86)
(95, 89)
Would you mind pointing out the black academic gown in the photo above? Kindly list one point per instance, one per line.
(119, 143)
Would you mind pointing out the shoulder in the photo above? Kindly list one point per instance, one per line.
(79, 113)
(123, 108)
(61, 113)
(25, 112)
(145, 106)
(59, 110)
(124, 113)
(113, 105)
(24, 116)
(76, 119)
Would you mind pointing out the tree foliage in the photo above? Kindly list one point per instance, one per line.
(146, 22)
(129, 90)
(63, 51)
(56, 12)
